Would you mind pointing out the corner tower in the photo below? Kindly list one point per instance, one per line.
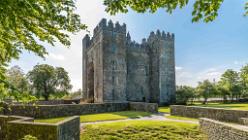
(162, 67)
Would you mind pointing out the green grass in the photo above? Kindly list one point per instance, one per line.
(101, 117)
(52, 120)
(165, 109)
(181, 118)
(234, 106)
(142, 130)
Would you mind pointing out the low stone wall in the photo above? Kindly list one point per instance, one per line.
(223, 131)
(16, 128)
(244, 121)
(141, 106)
(50, 102)
(206, 112)
(51, 111)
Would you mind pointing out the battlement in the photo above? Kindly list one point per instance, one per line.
(161, 35)
(110, 26)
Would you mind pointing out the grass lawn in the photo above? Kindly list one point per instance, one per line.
(165, 109)
(142, 130)
(101, 117)
(235, 106)
(181, 118)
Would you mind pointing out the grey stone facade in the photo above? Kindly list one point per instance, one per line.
(117, 69)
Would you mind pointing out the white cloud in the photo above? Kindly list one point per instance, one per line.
(179, 68)
(56, 56)
(187, 77)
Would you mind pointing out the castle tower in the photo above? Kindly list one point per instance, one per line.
(162, 63)
(114, 62)
(105, 63)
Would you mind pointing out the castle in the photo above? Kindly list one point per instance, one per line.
(117, 69)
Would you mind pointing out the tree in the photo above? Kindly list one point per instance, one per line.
(206, 89)
(47, 80)
(244, 80)
(24, 22)
(230, 82)
(203, 9)
(16, 77)
(184, 94)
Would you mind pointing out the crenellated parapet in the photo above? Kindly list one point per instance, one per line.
(161, 36)
(110, 26)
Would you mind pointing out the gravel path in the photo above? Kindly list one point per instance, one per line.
(156, 117)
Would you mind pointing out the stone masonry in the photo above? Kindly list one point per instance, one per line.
(117, 69)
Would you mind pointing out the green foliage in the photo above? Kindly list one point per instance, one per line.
(244, 80)
(206, 89)
(206, 10)
(143, 130)
(47, 80)
(230, 84)
(26, 24)
(29, 137)
(16, 77)
(184, 94)
(23, 22)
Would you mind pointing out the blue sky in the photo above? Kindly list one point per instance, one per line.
(203, 50)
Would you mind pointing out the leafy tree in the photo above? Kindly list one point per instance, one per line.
(203, 9)
(24, 22)
(244, 80)
(206, 89)
(230, 82)
(223, 90)
(16, 77)
(184, 94)
(47, 80)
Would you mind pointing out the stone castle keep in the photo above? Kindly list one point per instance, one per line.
(117, 69)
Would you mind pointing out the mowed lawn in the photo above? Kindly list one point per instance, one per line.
(101, 117)
(234, 106)
(165, 109)
(142, 130)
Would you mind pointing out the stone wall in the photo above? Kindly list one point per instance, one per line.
(141, 106)
(223, 131)
(206, 112)
(51, 111)
(16, 128)
(244, 121)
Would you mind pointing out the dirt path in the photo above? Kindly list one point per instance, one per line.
(156, 117)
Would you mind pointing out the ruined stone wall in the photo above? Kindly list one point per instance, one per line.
(223, 131)
(206, 112)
